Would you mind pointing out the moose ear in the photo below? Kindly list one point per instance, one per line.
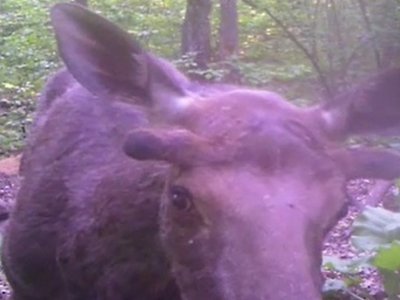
(372, 107)
(177, 146)
(369, 163)
(105, 59)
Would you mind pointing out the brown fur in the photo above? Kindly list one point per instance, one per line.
(228, 192)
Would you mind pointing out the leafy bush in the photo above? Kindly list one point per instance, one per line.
(188, 64)
(258, 74)
(376, 234)
(377, 230)
(350, 279)
(27, 57)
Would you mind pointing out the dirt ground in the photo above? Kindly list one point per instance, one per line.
(337, 242)
(9, 184)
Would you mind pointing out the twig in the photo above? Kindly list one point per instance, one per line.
(294, 39)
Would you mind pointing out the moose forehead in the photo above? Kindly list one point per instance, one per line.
(239, 112)
(248, 125)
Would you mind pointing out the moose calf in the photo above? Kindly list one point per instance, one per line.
(140, 184)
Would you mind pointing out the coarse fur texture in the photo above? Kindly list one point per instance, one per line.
(140, 184)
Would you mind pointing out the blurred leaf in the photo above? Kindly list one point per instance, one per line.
(345, 266)
(375, 228)
(332, 286)
(388, 258)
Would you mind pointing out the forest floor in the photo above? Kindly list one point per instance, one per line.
(337, 243)
(9, 184)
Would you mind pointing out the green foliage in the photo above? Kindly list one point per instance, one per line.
(377, 230)
(27, 57)
(187, 63)
(389, 258)
(349, 281)
(376, 234)
(28, 53)
(259, 74)
(156, 24)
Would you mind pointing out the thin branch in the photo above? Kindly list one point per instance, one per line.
(359, 47)
(368, 25)
(354, 295)
(294, 39)
(314, 45)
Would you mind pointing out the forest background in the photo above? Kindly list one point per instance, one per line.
(307, 50)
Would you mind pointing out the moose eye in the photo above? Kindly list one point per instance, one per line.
(180, 197)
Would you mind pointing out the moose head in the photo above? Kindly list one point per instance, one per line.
(257, 183)
(140, 179)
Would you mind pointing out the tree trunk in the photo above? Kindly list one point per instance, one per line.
(228, 30)
(196, 31)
